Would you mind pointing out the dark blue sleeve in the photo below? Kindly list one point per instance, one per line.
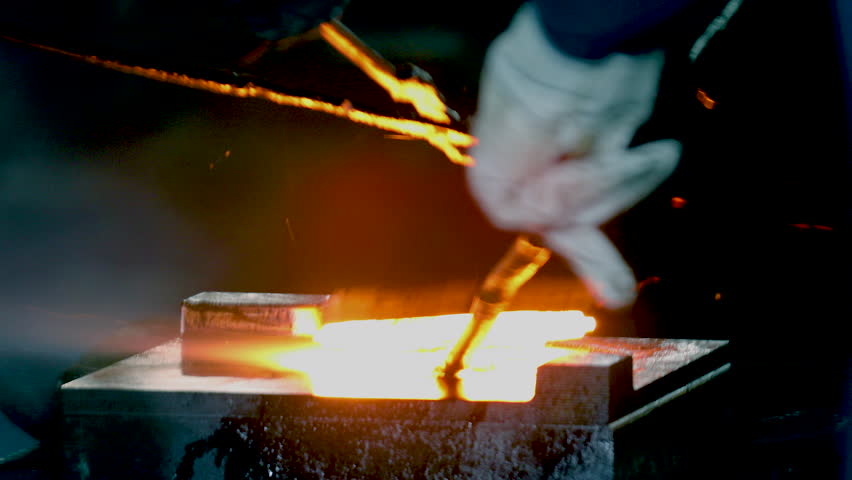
(169, 34)
(842, 10)
(593, 29)
(275, 19)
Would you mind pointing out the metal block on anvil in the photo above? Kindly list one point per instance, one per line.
(217, 328)
(144, 418)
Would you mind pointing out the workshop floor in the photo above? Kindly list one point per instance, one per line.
(119, 197)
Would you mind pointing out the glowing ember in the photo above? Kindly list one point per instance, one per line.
(705, 100)
(400, 358)
(447, 140)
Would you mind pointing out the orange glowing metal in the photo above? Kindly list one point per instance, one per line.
(421, 95)
(445, 139)
(306, 321)
(401, 358)
(678, 202)
(705, 99)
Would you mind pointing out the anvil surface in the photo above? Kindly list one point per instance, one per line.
(598, 380)
(160, 423)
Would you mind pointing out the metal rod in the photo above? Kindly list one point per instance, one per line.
(523, 259)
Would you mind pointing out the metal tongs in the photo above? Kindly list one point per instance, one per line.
(414, 86)
(409, 85)
(523, 259)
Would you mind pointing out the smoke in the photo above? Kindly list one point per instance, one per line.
(89, 248)
(84, 253)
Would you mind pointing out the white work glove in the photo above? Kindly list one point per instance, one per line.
(553, 156)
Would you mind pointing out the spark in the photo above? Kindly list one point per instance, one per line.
(289, 229)
(652, 280)
(705, 100)
(807, 226)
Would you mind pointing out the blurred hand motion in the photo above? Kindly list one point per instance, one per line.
(554, 156)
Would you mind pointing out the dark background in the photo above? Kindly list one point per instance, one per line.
(119, 197)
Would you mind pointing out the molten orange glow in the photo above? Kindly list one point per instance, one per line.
(400, 358)
(678, 202)
(447, 140)
(806, 226)
(306, 321)
(421, 95)
(652, 280)
(705, 99)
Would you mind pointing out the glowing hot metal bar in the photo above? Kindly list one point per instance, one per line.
(393, 358)
(401, 358)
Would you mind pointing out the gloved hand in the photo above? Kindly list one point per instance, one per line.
(553, 156)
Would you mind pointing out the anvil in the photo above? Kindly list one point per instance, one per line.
(144, 417)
